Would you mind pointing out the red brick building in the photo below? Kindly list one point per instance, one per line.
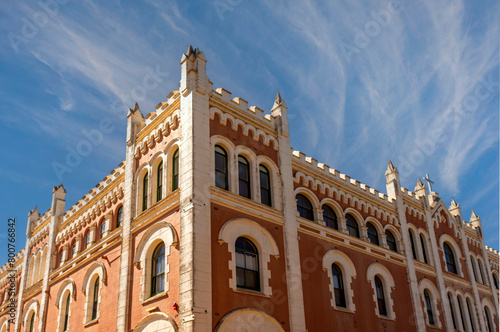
(212, 223)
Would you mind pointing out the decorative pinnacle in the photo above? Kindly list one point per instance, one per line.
(278, 101)
(473, 216)
(34, 211)
(453, 203)
(390, 168)
(193, 53)
(56, 188)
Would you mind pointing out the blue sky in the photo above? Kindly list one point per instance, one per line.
(415, 82)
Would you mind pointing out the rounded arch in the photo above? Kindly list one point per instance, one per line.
(397, 236)
(67, 284)
(229, 148)
(357, 216)
(483, 271)
(156, 322)
(273, 170)
(154, 163)
(348, 269)
(445, 238)
(95, 268)
(168, 165)
(248, 319)
(4, 324)
(142, 171)
(424, 247)
(427, 285)
(334, 205)
(30, 307)
(385, 276)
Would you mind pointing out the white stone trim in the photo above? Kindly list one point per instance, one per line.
(348, 275)
(160, 232)
(263, 240)
(248, 319)
(491, 308)
(399, 241)
(454, 304)
(67, 284)
(426, 284)
(422, 232)
(276, 199)
(139, 184)
(379, 228)
(377, 269)
(66, 289)
(168, 164)
(154, 318)
(468, 297)
(155, 162)
(4, 326)
(229, 147)
(31, 306)
(312, 198)
(456, 252)
(251, 157)
(97, 269)
(483, 273)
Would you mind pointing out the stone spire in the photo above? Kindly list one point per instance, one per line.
(135, 122)
(455, 209)
(278, 101)
(279, 112)
(420, 188)
(392, 185)
(476, 223)
(193, 72)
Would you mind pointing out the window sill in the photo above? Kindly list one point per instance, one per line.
(155, 297)
(250, 292)
(92, 322)
(346, 310)
(386, 317)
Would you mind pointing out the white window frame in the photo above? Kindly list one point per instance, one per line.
(377, 269)
(348, 275)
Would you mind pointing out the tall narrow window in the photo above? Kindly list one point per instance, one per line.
(382, 309)
(413, 249)
(329, 217)
(244, 177)
(175, 170)
(119, 217)
(304, 207)
(452, 311)
(480, 266)
(372, 233)
(265, 185)
(450, 259)
(391, 241)
(87, 239)
(221, 176)
(488, 319)
(32, 322)
(73, 249)
(158, 270)
(145, 192)
(428, 307)
(461, 310)
(159, 181)
(352, 225)
(66, 314)
(471, 317)
(338, 286)
(473, 268)
(424, 249)
(247, 264)
(102, 229)
(95, 299)
(495, 281)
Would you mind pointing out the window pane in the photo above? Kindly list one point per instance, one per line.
(391, 241)
(304, 207)
(424, 250)
(352, 226)
(372, 233)
(329, 217)
(251, 262)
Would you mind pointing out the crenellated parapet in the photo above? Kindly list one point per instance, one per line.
(145, 142)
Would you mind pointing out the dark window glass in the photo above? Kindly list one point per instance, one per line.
(474, 269)
(391, 241)
(450, 259)
(221, 178)
(159, 181)
(352, 225)
(338, 286)
(95, 299)
(158, 270)
(495, 281)
(329, 217)
(413, 249)
(247, 264)
(469, 309)
(460, 308)
(382, 309)
(73, 249)
(66, 314)
(102, 229)
(480, 266)
(119, 217)
(145, 192)
(452, 311)
(488, 319)
(244, 177)
(265, 185)
(428, 307)
(424, 249)
(304, 207)
(372, 233)
(87, 240)
(175, 170)
(32, 322)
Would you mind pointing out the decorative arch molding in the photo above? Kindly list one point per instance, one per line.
(170, 122)
(276, 200)
(414, 212)
(31, 305)
(349, 275)
(248, 319)
(426, 284)
(246, 127)
(314, 202)
(4, 324)
(67, 284)
(96, 267)
(263, 240)
(456, 252)
(229, 147)
(397, 236)
(157, 321)
(156, 234)
(377, 269)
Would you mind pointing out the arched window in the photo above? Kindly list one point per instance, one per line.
(95, 299)
(424, 249)
(461, 310)
(175, 170)
(470, 311)
(66, 314)
(244, 177)
(119, 217)
(382, 309)
(352, 225)
(247, 264)
(488, 320)
(480, 266)
(372, 233)
(265, 185)
(221, 176)
(329, 217)
(338, 286)
(73, 249)
(159, 181)
(413, 249)
(87, 239)
(495, 281)
(391, 241)
(32, 322)
(145, 192)
(473, 268)
(102, 229)
(304, 207)
(428, 307)
(450, 259)
(452, 311)
(158, 270)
